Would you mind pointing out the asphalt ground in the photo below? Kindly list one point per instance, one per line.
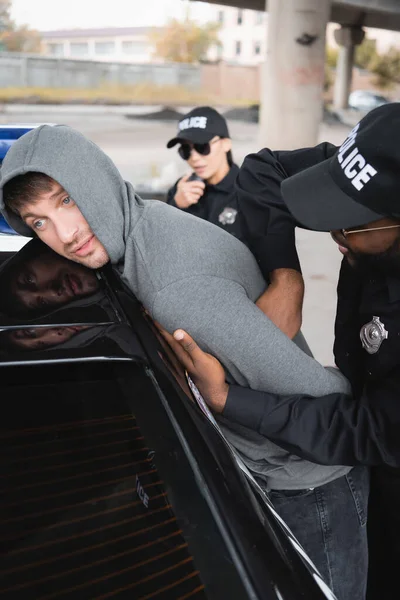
(137, 146)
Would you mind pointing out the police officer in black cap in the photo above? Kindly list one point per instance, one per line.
(207, 191)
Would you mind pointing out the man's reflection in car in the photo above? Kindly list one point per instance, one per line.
(39, 338)
(48, 303)
(43, 280)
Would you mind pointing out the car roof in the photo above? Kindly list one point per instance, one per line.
(9, 133)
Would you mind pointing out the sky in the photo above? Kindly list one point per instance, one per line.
(64, 14)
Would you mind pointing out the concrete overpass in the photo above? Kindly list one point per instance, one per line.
(294, 72)
(382, 14)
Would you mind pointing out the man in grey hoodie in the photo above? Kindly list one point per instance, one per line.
(188, 273)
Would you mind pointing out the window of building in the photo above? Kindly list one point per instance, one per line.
(55, 49)
(104, 48)
(79, 48)
(134, 47)
(221, 17)
(240, 17)
(259, 17)
(257, 48)
(238, 48)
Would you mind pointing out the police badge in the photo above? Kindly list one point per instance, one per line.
(372, 335)
(228, 216)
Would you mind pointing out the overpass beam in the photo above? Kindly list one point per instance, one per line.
(348, 37)
(294, 72)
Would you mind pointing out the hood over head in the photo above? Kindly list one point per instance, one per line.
(88, 175)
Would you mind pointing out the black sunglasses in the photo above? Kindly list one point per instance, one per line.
(185, 149)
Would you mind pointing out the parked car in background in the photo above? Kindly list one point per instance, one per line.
(364, 100)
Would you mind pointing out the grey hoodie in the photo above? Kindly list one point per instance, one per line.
(188, 273)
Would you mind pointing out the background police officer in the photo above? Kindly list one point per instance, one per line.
(207, 191)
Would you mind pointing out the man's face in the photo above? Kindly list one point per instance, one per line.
(59, 223)
(50, 280)
(377, 250)
(206, 166)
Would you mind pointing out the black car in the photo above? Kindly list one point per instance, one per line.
(115, 483)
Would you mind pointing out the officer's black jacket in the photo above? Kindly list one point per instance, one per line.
(215, 200)
(268, 226)
(334, 429)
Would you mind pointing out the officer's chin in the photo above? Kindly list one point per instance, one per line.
(351, 259)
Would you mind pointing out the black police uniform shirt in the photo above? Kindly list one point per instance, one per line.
(268, 226)
(218, 205)
(334, 429)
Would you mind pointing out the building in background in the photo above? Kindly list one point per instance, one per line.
(243, 38)
(242, 35)
(119, 44)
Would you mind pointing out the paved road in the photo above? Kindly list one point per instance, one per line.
(137, 146)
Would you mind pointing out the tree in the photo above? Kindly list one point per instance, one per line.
(328, 78)
(22, 39)
(386, 67)
(5, 20)
(331, 55)
(365, 53)
(185, 41)
(15, 38)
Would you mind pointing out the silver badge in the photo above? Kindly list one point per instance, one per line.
(372, 335)
(228, 216)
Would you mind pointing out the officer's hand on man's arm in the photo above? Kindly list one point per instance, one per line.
(335, 429)
(188, 192)
(282, 302)
(206, 371)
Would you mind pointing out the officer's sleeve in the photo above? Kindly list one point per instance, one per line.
(269, 228)
(295, 161)
(267, 224)
(335, 429)
(170, 199)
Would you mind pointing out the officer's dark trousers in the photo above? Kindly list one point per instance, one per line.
(384, 534)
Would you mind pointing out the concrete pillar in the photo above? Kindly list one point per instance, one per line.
(294, 72)
(347, 38)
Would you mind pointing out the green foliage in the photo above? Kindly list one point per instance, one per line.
(328, 79)
(13, 37)
(185, 41)
(386, 67)
(365, 53)
(331, 57)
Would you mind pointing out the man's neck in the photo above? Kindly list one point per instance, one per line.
(219, 175)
